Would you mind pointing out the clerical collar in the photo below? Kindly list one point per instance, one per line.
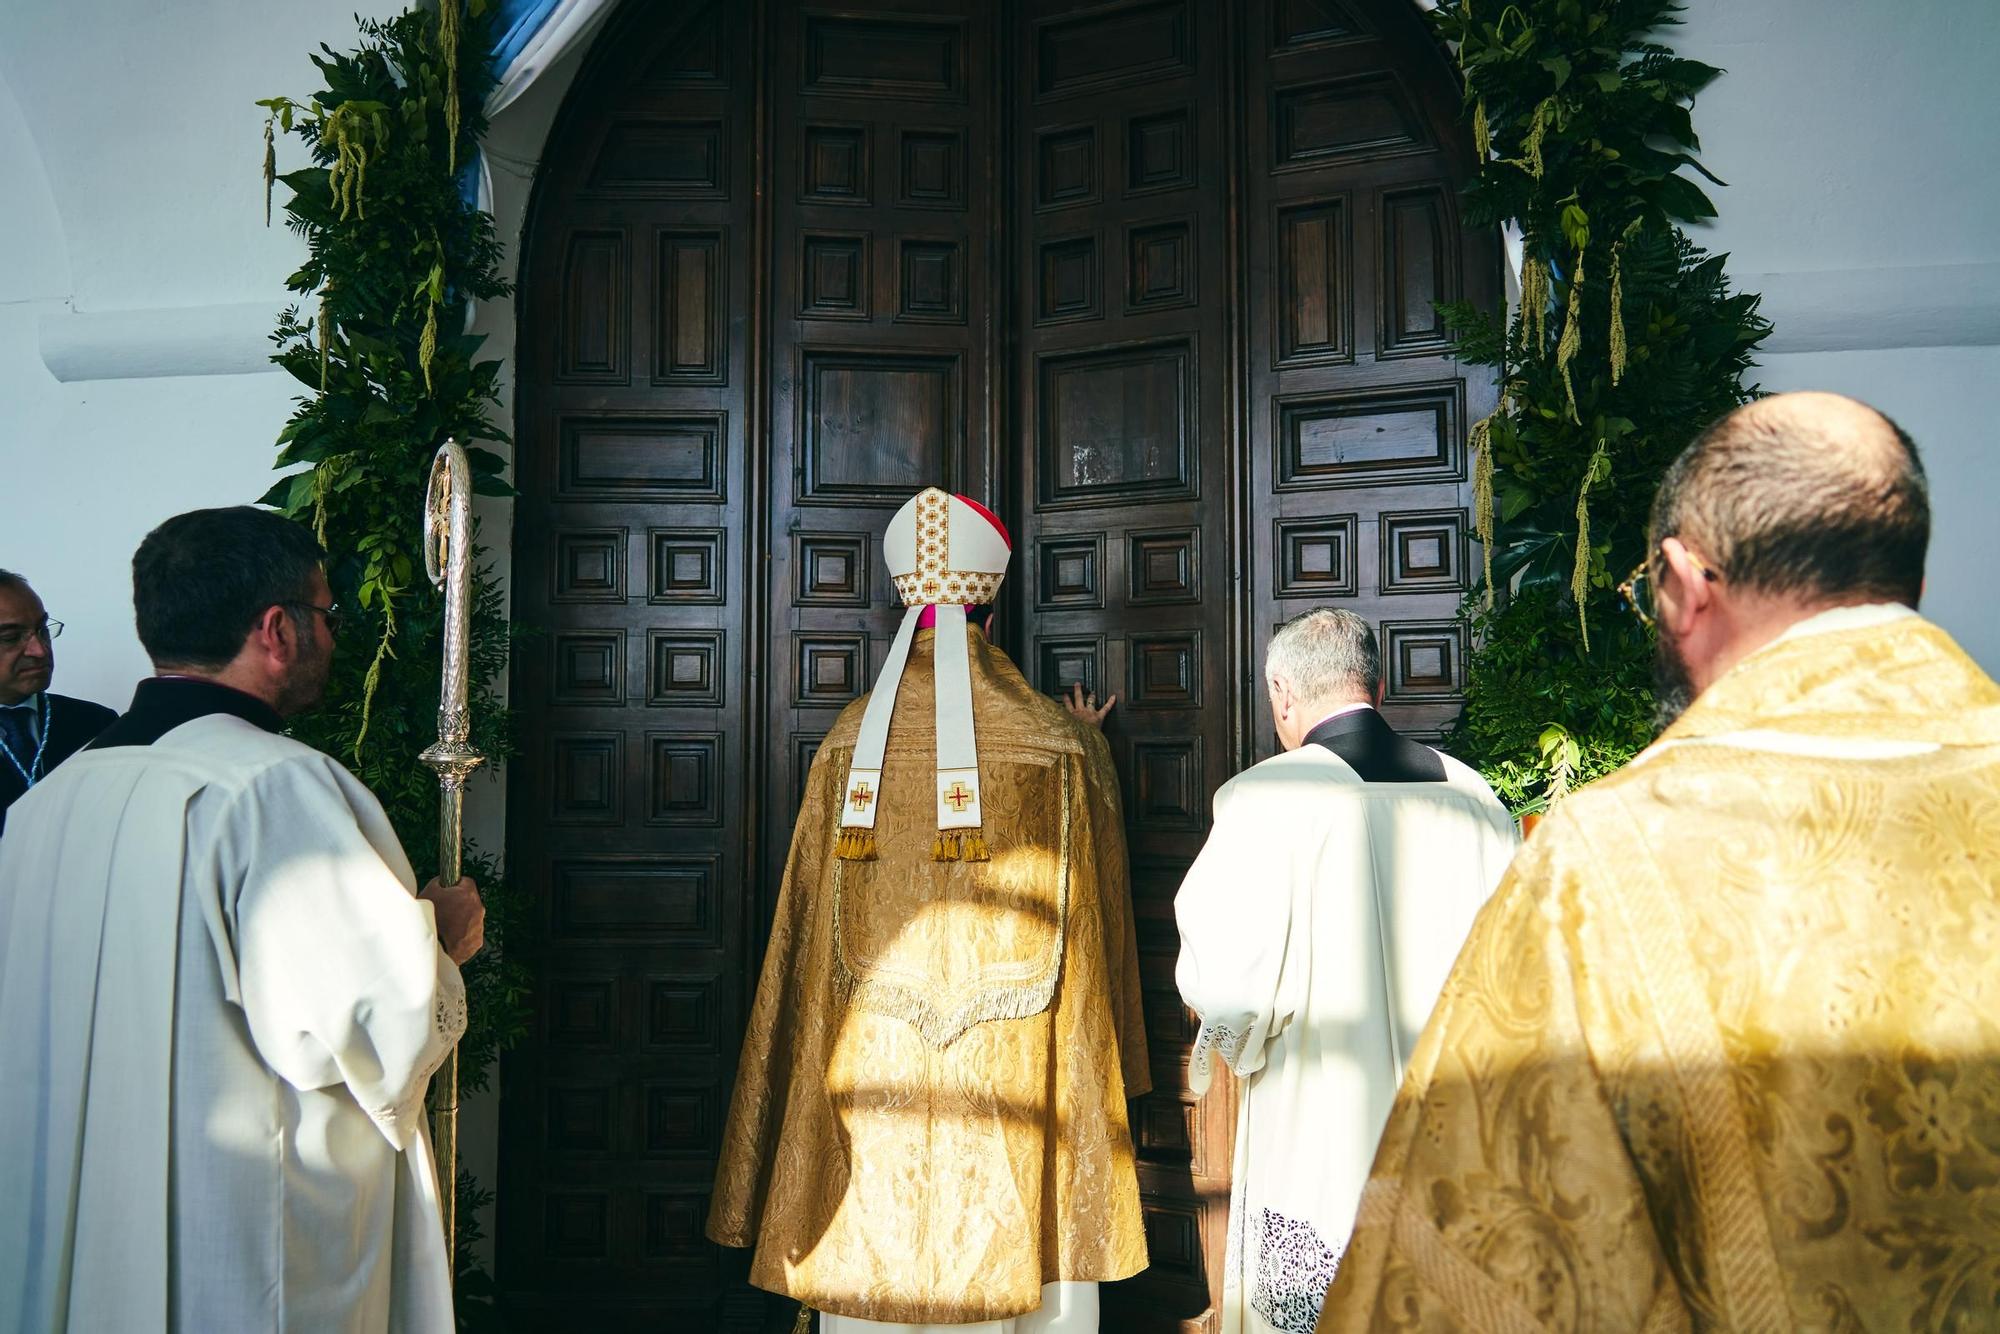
(162, 703)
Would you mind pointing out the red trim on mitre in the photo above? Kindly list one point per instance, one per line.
(990, 517)
(927, 618)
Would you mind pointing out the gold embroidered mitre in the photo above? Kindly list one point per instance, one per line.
(945, 553)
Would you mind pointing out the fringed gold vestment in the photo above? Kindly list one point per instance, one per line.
(929, 1120)
(1723, 1052)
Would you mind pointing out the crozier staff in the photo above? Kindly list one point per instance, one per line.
(221, 993)
(39, 729)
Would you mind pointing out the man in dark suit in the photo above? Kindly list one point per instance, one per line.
(38, 729)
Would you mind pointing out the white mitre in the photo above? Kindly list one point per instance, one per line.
(947, 552)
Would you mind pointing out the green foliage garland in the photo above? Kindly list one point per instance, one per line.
(1628, 340)
(394, 253)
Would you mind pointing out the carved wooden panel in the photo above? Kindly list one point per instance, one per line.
(674, 1224)
(1173, 1237)
(577, 1225)
(580, 1012)
(835, 165)
(1166, 671)
(1315, 308)
(1159, 151)
(1068, 285)
(668, 457)
(684, 778)
(596, 293)
(1344, 118)
(1117, 44)
(1160, 265)
(1067, 167)
(1417, 270)
(931, 282)
(681, 1014)
(679, 1120)
(832, 669)
(669, 159)
(1358, 439)
(687, 566)
(579, 1120)
(685, 667)
(589, 565)
(876, 426)
(631, 898)
(1064, 661)
(1069, 572)
(832, 569)
(691, 341)
(932, 169)
(1164, 565)
(1302, 23)
(1115, 424)
(1317, 558)
(1423, 661)
(589, 667)
(833, 277)
(1167, 784)
(587, 777)
(867, 57)
(1424, 552)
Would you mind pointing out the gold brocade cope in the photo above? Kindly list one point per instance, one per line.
(988, 941)
(1723, 1051)
(929, 1120)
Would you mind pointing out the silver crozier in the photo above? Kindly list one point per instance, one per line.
(448, 561)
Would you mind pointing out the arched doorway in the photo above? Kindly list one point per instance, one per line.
(1155, 279)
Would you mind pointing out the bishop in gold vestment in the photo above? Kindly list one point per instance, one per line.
(1723, 1051)
(929, 1121)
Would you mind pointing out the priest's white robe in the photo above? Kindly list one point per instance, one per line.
(220, 1003)
(1067, 1308)
(1317, 927)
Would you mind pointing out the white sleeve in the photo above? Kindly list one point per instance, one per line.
(1235, 915)
(340, 973)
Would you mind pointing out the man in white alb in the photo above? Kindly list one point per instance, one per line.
(1318, 924)
(221, 995)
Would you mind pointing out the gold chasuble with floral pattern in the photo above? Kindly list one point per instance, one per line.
(929, 1120)
(1723, 1050)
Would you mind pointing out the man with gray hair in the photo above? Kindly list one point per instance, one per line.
(39, 729)
(1317, 928)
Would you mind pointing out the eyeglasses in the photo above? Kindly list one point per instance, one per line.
(335, 617)
(17, 635)
(1638, 591)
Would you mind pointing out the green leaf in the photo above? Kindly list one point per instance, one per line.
(1558, 66)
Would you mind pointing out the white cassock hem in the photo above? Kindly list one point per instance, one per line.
(1067, 1308)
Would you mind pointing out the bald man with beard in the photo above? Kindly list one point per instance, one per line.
(1723, 1051)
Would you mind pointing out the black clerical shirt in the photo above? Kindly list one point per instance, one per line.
(1373, 750)
(162, 703)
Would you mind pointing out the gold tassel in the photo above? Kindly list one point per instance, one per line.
(1480, 441)
(1572, 336)
(855, 845)
(1482, 135)
(270, 165)
(448, 34)
(804, 1322)
(975, 847)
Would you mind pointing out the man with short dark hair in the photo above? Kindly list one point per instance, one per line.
(1722, 1051)
(39, 729)
(1325, 909)
(222, 996)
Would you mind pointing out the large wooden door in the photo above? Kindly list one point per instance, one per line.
(1154, 279)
